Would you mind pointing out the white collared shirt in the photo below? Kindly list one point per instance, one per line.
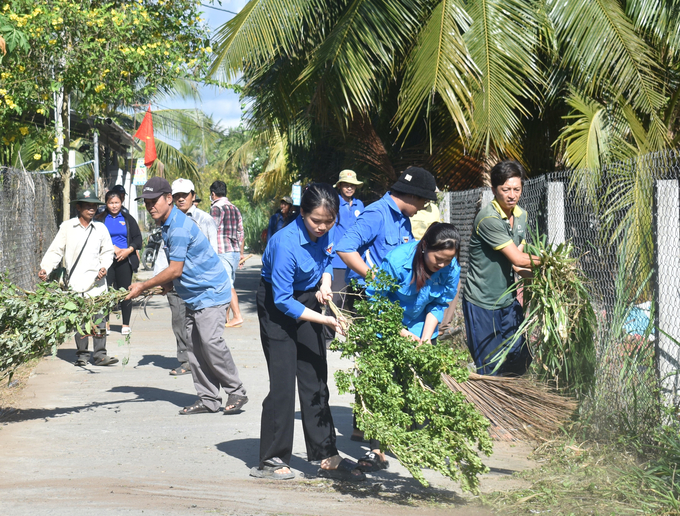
(97, 253)
(205, 223)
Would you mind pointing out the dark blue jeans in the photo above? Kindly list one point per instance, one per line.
(486, 330)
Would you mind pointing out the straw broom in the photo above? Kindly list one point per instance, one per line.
(517, 408)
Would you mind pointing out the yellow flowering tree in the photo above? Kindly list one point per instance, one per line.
(94, 55)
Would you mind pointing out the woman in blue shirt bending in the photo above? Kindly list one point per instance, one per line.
(427, 274)
(296, 280)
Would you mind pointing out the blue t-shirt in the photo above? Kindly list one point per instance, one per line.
(117, 229)
(378, 230)
(434, 297)
(292, 261)
(347, 216)
(204, 281)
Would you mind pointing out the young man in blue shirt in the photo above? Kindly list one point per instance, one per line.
(201, 280)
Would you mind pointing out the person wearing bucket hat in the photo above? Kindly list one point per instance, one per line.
(86, 248)
(282, 217)
(350, 209)
(200, 279)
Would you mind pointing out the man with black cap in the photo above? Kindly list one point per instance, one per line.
(383, 226)
(87, 251)
(198, 276)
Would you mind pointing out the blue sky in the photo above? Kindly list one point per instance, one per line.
(223, 105)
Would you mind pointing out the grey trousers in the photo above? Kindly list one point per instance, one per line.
(179, 327)
(98, 342)
(211, 362)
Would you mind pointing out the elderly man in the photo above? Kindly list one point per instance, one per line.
(87, 251)
(198, 276)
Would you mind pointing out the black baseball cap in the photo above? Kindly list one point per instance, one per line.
(416, 181)
(154, 188)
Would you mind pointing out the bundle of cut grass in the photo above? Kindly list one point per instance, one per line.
(517, 408)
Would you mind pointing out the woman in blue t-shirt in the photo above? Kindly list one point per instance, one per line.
(127, 240)
(427, 274)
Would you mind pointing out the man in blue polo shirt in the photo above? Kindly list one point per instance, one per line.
(198, 276)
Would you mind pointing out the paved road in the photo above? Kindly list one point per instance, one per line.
(110, 440)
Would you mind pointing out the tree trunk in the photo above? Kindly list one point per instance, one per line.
(65, 170)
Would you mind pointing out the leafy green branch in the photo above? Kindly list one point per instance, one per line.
(401, 398)
(31, 322)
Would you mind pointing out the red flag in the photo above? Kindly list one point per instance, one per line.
(145, 133)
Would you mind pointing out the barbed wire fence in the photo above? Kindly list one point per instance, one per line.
(624, 223)
(27, 224)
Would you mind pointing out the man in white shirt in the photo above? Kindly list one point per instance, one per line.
(87, 251)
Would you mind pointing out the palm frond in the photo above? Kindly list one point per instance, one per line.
(606, 53)
(277, 177)
(586, 139)
(659, 22)
(439, 64)
(259, 32)
(360, 52)
(175, 163)
(502, 42)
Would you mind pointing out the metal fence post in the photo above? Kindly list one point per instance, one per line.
(487, 197)
(445, 207)
(667, 264)
(555, 219)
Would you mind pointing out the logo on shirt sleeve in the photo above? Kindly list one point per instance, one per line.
(405, 240)
(329, 249)
(357, 213)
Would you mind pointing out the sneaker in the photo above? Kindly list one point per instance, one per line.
(105, 361)
(126, 330)
(80, 362)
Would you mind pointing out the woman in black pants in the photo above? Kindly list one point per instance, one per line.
(127, 240)
(296, 279)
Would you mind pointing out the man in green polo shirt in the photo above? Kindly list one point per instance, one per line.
(493, 315)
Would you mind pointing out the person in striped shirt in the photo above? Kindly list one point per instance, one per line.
(230, 237)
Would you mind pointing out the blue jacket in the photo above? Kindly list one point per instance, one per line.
(434, 297)
(292, 261)
(378, 230)
(346, 218)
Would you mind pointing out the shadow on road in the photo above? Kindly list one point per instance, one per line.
(144, 394)
(161, 361)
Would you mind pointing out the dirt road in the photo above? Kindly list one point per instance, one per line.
(110, 440)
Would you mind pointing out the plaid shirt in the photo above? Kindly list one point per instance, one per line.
(229, 226)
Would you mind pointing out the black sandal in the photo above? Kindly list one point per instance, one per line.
(346, 470)
(235, 401)
(196, 408)
(269, 470)
(374, 462)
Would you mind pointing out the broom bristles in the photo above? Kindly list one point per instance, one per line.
(516, 407)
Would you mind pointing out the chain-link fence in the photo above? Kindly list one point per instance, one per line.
(624, 223)
(27, 224)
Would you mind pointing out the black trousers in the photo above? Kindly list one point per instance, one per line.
(119, 275)
(294, 350)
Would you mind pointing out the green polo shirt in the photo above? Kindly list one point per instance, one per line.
(489, 272)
